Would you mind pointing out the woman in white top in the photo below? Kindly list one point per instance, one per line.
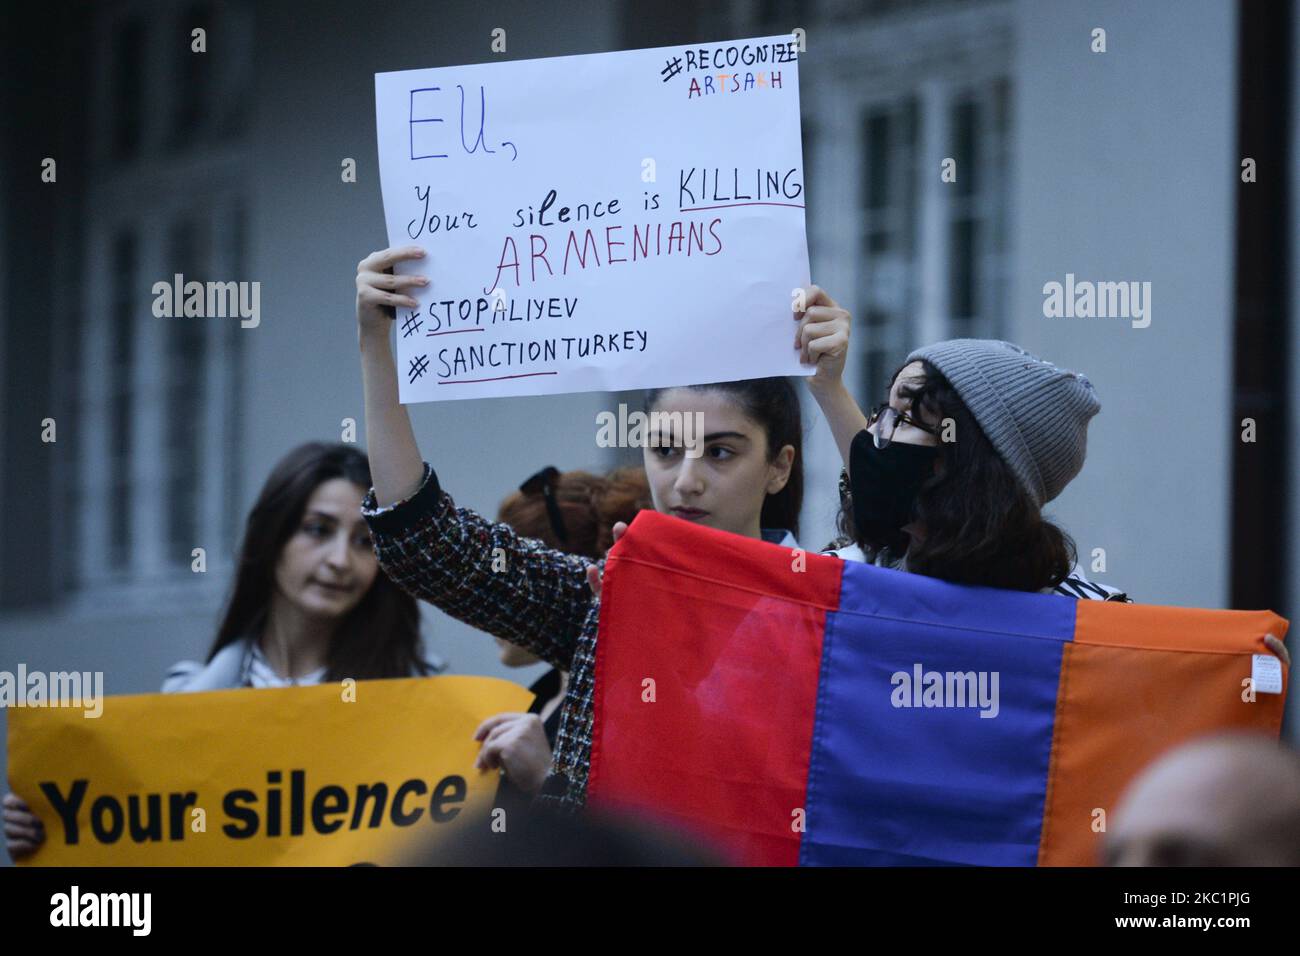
(309, 603)
(309, 588)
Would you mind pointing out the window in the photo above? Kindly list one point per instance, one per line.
(192, 103)
(210, 91)
(784, 15)
(232, 367)
(887, 241)
(128, 57)
(121, 395)
(895, 89)
(932, 249)
(977, 212)
(185, 367)
(159, 397)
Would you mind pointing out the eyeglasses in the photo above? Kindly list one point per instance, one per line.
(887, 418)
(544, 482)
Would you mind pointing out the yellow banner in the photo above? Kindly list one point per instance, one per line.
(336, 774)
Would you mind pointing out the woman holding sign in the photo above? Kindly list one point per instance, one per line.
(309, 603)
(949, 475)
(747, 478)
(573, 511)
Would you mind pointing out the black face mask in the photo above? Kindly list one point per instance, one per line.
(883, 483)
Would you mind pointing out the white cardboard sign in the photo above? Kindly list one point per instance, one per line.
(600, 222)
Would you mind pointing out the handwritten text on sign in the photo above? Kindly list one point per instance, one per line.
(610, 221)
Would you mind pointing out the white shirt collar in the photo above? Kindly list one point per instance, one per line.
(260, 673)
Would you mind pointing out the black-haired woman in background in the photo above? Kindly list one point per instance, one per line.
(310, 603)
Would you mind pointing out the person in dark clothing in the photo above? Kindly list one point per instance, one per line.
(742, 474)
(574, 512)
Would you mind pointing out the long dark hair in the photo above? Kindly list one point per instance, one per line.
(774, 404)
(380, 637)
(980, 525)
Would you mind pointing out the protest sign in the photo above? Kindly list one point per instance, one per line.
(600, 222)
(334, 774)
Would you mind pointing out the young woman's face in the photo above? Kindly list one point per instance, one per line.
(910, 375)
(328, 564)
(726, 485)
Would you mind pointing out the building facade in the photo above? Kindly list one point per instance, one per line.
(1120, 165)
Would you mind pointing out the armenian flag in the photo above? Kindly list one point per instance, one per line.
(792, 708)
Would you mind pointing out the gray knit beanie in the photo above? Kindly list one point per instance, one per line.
(1035, 414)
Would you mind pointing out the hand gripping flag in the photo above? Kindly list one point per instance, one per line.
(793, 708)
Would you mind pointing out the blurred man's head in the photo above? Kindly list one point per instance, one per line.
(540, 836)
(1227, 800)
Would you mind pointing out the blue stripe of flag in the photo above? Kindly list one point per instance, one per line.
(912, 786)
